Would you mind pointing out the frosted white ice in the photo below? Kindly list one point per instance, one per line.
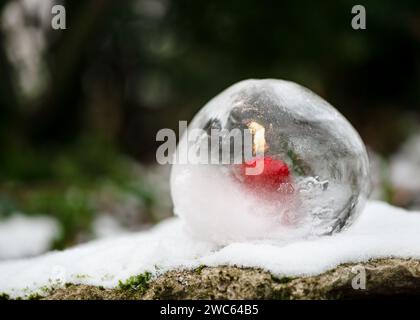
(381, 231)
(23, 236)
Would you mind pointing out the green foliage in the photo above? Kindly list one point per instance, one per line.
(136, 283)
(296, 163)
(282, 280)
(7, 205)
(199, 269)
(34, 296)
(87, 160)
(4, 296)
(70, 206)
(65, 183)
(388, 191)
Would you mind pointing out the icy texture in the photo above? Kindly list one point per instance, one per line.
(23, 236)
(381, 231)
(317, 177)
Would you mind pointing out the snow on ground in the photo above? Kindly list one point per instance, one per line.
(105, 226)
(405, 166)
(23, 236)
(381, 231)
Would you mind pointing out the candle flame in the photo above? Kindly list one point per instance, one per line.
(258, 133)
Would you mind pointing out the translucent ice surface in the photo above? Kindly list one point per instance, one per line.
(315, 176)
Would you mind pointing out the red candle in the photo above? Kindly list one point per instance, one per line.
(275, 176)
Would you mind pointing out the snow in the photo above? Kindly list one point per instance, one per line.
(405, 166)
(22, 236)
(381, 231)
(105, 226)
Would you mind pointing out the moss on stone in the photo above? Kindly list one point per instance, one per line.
(199, 268)
(4, 296)
(35, 296)
(136, 283)
(385, 277)
(281, 279)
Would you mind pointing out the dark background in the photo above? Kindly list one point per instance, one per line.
(80, 108)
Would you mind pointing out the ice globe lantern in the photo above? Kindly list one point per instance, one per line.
(315, 176)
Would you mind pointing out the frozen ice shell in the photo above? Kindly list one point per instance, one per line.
(316, 172)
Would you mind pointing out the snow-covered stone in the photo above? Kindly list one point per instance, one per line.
(381, 231)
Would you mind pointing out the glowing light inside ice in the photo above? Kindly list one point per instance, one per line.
(316, 174)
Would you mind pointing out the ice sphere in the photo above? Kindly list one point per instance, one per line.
(315, 176)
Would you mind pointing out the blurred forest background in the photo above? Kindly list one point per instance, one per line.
(80, 108)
